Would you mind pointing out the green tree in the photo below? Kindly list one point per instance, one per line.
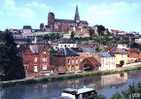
(100, 29)
(52, 51)
(72, 35)
(46, 37)
(98, 49)
(52, 36)
(10, 58)
(91, 33)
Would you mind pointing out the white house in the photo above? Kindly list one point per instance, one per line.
(107, 61)
(26, 31)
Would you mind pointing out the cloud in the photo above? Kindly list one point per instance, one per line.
(11, 9)
(9, 4)
(112, 14)
(26, 13)
(35, 4)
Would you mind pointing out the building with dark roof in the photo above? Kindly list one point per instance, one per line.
(27, 27)
(26, 31)
(66, 59)
(64, 52)
(73, 60)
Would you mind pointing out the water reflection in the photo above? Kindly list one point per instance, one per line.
(114, 79)
(53, 90)
(13, 93)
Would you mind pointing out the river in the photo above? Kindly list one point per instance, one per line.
(106, 85)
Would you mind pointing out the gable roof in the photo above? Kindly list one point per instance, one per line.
(35, 48)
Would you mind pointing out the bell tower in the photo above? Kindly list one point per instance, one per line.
(77, 17)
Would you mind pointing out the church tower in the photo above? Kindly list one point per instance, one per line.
(51, 20)
(77, 17)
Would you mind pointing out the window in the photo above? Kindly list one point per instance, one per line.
(35, 59)
(35, 69)
(44, 67)
(26, 67)
(68, 61)
(44, 59)
(80, 60)
(76, 61)
(44, 52)
(72, 61)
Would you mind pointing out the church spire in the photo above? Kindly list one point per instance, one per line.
(77, 17)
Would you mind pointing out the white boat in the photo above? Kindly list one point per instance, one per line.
(82, 93)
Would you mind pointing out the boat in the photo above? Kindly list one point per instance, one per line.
(81, 93)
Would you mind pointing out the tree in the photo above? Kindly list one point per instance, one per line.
(101, 29)
(91, 32)
(10, 59)
(46, 37)
(98, 49)
(52, 36)
(72, 35)
(52, 51)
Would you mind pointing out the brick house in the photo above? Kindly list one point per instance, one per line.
(36, 58)
(71, 61)
(67, 60)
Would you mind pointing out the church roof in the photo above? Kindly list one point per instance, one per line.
(70, 21)
(84, 22)
(65, 20)
(35, 48)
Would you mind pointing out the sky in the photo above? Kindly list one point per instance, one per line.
(113, 14)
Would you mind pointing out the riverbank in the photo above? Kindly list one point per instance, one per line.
(134, 66)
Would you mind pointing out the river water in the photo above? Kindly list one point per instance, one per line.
(106, 85)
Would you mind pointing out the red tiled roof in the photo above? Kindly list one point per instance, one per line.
(132, 53)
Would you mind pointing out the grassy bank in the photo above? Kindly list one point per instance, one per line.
(67, 76)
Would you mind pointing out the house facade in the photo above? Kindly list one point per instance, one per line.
(107, 61)
(36, 58)
(66, 59)
(69, 60)
(134, 55)
(121, 57)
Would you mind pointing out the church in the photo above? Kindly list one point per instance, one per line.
(79, 27)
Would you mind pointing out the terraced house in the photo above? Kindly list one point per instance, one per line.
(36, 59)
